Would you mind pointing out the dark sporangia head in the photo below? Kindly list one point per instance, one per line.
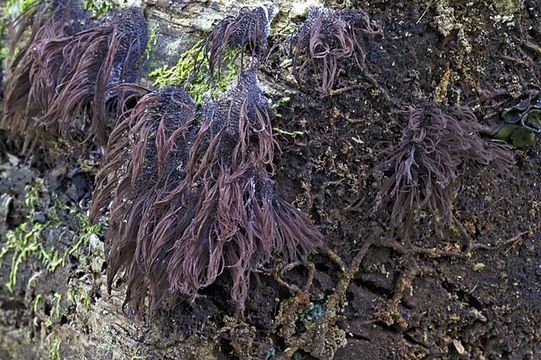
(327, 41)
(190, 197)
(247, 32)
(424, 165)
(243, 118)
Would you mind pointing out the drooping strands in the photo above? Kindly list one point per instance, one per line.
(240, 223)
(188, 193)
(94, 61)
(45, 20)
(425, 164)
(66, 74)
(247, 32)
(239, 220)
(328, 41)
(144, 163)
(241, 121)
(31, 83)
(190, 200)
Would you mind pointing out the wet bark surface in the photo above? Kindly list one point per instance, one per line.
(441, 294)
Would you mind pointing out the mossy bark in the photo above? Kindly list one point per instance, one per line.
(370, 298)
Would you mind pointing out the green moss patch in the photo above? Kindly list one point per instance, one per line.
(201, 83)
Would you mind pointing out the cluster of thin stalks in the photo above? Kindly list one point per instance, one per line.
(67, 71)
(425, 165)
(247, 33)
(189, 195)
(327, 42)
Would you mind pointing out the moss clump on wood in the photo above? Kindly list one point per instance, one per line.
(99, 7)
(29, 240)
(200, 82)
